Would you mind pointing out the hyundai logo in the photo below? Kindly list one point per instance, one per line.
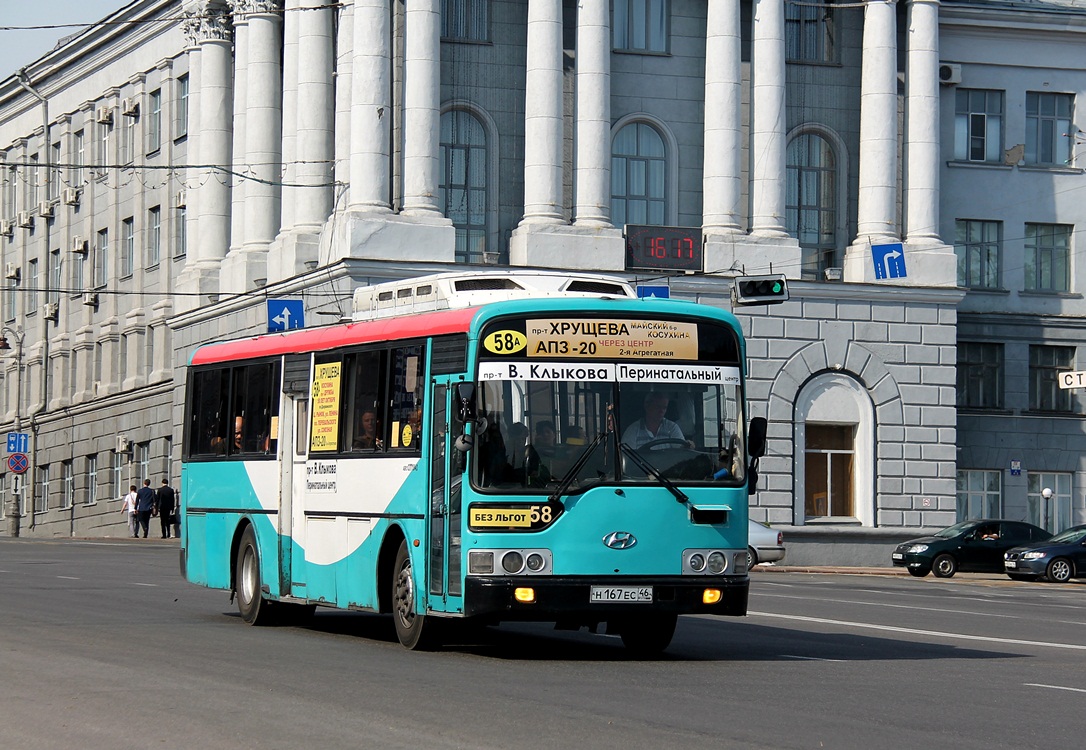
(620, 540)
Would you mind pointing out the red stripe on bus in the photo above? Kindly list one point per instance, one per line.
(332, 337)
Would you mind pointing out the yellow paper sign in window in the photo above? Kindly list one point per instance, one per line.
(324, 431)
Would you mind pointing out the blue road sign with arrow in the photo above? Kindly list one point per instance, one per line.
(889, 260)
(285, 314)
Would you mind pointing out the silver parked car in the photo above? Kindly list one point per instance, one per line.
(764, 544)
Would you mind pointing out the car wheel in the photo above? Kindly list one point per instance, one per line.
(944, 566)
(919, 572)
(1059, 570)
(752, 558)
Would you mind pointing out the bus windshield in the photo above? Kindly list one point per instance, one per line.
(535, 432)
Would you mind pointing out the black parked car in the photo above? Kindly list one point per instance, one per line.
(1058, 559)
(975, 546)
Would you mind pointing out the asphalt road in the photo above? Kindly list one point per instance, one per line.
(103, 646)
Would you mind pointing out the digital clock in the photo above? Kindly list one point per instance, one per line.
(663, 248)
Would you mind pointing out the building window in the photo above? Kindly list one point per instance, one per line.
(104, 129)
(809, 33)
(980, 375)
(101, 259)
(167, 456)
(1045, 365)
(128, 139)
(1048, 249)
(54, 172)
(154, 121)
(640, 25)
(143, 460)
(465, 20)
(79, 158)
(1049, 132)
(77, 261)
(55, 275)
(9, 301)
(128, 247)
(182, 106)
(68, 478)
(828, 461)
(31, 286)
(10, 192)
(41, 502)
(463, 192)
(181, 241)
(811, 204)
(978, 245)
(979, 494)
(91, 496)
(32, 178)
(118, 476)
(1054, 512)
(978, 125)
(638, 166)
(154, 236)
(149, 349)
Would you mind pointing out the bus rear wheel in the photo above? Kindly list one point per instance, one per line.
(254, 609)
(414, 631)
(648, 635)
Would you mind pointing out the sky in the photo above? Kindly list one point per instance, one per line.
(19, 47)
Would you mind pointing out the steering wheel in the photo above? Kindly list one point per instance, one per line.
(662, 441)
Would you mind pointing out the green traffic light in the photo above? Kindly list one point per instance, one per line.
(776, 287)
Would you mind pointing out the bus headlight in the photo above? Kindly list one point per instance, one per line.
(535, 562)
(481, 563)
(717, 563)
(512, 562)
(697, 562)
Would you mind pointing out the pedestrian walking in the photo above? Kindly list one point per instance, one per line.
(164, 502)
(129, 507)
(145, 505)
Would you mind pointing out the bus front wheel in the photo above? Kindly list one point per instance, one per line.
(414, 631)
(254, 609)
(648, 635)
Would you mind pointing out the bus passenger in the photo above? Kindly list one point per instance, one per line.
(367, 439)
(540, 453)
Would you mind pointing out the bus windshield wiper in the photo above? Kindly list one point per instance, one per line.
(582, 459)
(648, 468)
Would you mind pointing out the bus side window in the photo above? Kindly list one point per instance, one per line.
(208, 415)
(406, 398)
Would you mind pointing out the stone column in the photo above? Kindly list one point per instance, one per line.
(722, 170)
(263, 122)
(371, 110)
(316, 113)
(422, 107)
(292, 71)
(209, 28)
(767, 141)
(922, 123)
(543, 114)
(238, 184)
(877, 198)
(593, 137)
(342, 82)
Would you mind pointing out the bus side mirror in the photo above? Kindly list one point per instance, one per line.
(755, 449)
(465, 394)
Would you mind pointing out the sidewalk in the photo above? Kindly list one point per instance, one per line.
(852, 570)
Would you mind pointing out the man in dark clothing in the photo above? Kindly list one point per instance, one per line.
(164, 501)
(145, 504)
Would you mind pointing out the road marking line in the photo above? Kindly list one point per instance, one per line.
(914, 631)
(152, 585)
(68, 578)
(1054, 687)
(809, 658)
(893, 606)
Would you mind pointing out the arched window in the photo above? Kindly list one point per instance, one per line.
(463, 188)
(638, 169)
(811, 205)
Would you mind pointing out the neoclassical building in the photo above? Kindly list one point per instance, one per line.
(910, 166)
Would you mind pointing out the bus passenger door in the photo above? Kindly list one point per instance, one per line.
(444, 573)
(292, 518)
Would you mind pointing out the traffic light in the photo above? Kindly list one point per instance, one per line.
(760, 290)
(4, 345)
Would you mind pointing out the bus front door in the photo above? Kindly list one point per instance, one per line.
(444, 567)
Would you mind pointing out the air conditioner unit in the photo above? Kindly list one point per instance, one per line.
(90, 299)
(179, 199)
(70, 196)
(79, 245)
(25, 219)
(51, 311)
(104, 115)
(950, 74)
(7, 228)
(45, 209)
(124, 445)
(130, 106)
(11, 271)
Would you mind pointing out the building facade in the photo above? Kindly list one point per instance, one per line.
(909, 166)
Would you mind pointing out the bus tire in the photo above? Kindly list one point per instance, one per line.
(414, 631)
(254, 609)
(648, 635)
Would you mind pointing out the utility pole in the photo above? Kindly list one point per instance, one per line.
(18, 334)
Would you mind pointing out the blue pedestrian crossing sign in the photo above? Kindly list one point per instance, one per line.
(653, 290)
(285, 314)
(889, 260)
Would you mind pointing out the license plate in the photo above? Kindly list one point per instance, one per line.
(620, 594)
(1010, 563)
(899, 556)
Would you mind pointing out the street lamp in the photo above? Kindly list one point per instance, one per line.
(18, 334)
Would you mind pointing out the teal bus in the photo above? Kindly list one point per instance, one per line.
(482, 449)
